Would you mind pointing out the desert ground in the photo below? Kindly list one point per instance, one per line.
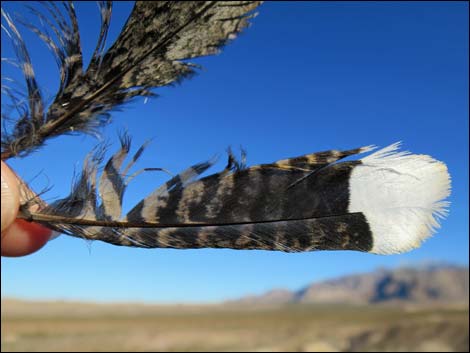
(68, 326)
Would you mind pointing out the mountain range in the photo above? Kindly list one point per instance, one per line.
(429, 284)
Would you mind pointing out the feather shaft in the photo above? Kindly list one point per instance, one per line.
(47, 219)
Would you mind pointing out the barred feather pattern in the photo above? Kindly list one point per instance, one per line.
(239, 207)
(148, 53)
(311, 202)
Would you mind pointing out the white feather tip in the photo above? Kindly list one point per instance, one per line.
(402, 197)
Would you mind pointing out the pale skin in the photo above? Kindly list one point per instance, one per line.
(19, 237)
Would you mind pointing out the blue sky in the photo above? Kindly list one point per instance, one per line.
(304, 77)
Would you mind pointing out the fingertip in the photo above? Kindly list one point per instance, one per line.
(23, 238)
(10, 200)
(19, 237)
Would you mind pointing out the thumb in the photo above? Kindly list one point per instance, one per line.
(10, 196)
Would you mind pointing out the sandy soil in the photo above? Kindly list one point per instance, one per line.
(60, 326)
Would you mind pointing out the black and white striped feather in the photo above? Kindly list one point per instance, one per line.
(387, 202)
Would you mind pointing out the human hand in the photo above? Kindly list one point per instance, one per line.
(19, 237)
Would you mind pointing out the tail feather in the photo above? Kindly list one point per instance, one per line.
(385, 203)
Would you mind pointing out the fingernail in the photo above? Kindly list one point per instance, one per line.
(9, 203)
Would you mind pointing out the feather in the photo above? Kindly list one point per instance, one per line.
(387, 202)
(148, 53)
